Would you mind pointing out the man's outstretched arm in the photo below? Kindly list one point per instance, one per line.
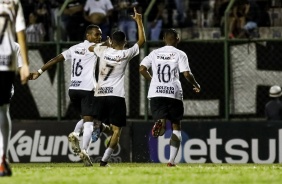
(47, 66)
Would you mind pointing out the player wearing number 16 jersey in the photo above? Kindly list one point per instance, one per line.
(12, 24)
(165, 92)
(82, 84)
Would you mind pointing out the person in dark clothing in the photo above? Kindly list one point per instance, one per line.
(273, 108)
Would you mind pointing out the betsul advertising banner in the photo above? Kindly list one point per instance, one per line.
(47, 141)
(212, 142)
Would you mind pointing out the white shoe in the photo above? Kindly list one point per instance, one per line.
(74, 140)
(85, 158)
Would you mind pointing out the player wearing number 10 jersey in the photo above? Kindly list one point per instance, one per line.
(12, 24)
(165, 92)
(82, 84)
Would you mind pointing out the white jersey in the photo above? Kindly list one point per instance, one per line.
(166, 63)
(112, 68)
(11, 21)
(82, 66)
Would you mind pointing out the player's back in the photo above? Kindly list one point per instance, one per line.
(11, 21)
(82, 66)
(166, 62)
(112, 69)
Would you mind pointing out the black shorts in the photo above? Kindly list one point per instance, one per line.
(6, 80)
(110, 110)
(82, 101)
(166, 108)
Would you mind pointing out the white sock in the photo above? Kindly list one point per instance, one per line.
(5, 129)
(88, 129)
(173, 149)
(107, 154)
(78, 127)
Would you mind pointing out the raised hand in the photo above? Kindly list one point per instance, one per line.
(137, 16)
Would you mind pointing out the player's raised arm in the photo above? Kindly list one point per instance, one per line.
(141, 33)
(48, 65)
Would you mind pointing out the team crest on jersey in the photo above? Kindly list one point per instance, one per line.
(80, 51)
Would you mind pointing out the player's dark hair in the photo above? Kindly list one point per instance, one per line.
(171, 32)
(90, 28)
(118, 37)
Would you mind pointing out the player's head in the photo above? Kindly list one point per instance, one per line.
(118, 38)
(275, 91)
(93, 33)
(171, 37)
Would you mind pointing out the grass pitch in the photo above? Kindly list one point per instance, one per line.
(143, 173)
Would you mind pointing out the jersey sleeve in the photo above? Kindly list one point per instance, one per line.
(147, 61)
(183, 64)
(67, 54)
(132, 51)
(98, 50)
(20, 21)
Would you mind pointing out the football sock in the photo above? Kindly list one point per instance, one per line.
(78, 127)
(107, 154)
(88, 129)
(5, 128)
(174, 145)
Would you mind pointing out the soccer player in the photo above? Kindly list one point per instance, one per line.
(12, 24)
(81, 90)
(109, 97)
(165, 91)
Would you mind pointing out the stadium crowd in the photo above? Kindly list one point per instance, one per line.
(110, 15)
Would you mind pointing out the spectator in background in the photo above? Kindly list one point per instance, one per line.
(28, 7)
(250, 18)
(125, 22)
(155, 18)
(43, 9)
(199, 8)
(264, 20)
(98, 12)
(35, 30)
(73, 21)
(273, 108)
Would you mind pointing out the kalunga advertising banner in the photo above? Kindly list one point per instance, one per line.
(47, 141)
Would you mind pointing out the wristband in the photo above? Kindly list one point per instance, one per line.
(40, 71)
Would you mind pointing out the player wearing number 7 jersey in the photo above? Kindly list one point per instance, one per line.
(82, 85)
(165, 92)
(109, 97)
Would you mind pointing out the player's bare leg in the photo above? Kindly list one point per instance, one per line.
(111, 146)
